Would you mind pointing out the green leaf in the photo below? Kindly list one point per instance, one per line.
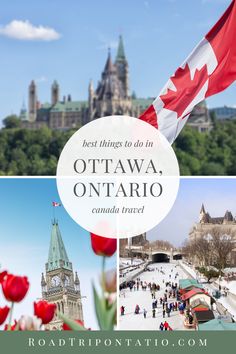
(100, 308)
(111, 314)
(72, 324)
(105, 315)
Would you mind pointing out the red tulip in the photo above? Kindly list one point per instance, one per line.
(4, 311)
(103, 246)
(14, 287)
(44, 310)
(65, 327)
(12, 328)
(2, 276)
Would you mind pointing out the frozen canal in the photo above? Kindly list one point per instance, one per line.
(129, 299)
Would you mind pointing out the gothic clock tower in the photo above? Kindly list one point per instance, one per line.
(60, 285)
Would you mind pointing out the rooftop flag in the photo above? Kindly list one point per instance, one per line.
(55, 204)
(209, 69)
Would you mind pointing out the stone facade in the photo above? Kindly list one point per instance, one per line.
(136, 241)
(59, 284)
(200, 118)
(206, 223)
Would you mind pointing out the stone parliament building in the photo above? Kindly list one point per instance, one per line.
(60, 285)
(111, 97)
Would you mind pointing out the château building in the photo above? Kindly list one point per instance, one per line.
(110, 97)
(60, 285)
(207, 222)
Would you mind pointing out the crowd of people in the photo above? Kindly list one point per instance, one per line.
(164, 305)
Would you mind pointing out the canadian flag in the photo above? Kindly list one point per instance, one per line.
(55, 204)
(209, 69)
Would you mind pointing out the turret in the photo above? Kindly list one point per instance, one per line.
(55, 93)
(23, 113)
(228, 218)
(43, 284)
(77, 282)
(202, 213)
(32, 101)
(90, 99)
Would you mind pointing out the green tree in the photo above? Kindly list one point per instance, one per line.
(11, 121)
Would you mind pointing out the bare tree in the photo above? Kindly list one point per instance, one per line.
(200, 250)
(164, 245)
(222, 242)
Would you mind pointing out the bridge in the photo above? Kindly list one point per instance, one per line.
(155, 255)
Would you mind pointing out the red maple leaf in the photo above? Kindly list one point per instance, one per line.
(186, 89)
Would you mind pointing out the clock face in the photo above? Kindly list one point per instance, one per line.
(56, 281)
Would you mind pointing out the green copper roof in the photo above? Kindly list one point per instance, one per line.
(69, 106)
(57, 256)
(143, 103)
(120, 52)
(187, 283)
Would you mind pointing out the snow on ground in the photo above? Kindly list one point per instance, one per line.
(130, 299)
(231, 285)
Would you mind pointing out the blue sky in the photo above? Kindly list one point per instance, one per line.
(158, 35)
(26, 215)
(217, 194)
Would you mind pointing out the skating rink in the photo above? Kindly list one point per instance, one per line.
(129, 299)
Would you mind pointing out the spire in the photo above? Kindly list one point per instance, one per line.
(120, 51)
(57, 256)
(91, 86)
(109, 64)
(202, 211)
(77, 282)
(43, 282)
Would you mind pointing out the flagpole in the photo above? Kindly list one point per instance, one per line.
(53, 212)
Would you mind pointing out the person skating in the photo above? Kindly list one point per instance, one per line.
(122, 310)
(144, 313)
(168, 311)
(137, 309)
(163, 313)
(161, 327)
(166, 325)
(153, 313)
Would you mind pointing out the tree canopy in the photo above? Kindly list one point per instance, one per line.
(36, 152)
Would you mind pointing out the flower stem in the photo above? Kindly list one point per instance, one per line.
(10, 316)
(103, 274)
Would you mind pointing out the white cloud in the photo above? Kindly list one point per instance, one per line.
(24, 30)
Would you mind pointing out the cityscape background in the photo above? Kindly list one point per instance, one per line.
(71, 44)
